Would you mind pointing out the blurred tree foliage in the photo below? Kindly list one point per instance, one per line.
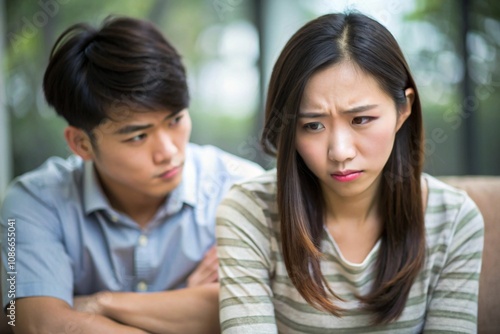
(32, 28)
(441, 70)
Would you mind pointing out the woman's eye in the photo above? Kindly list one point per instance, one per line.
(315, 126)
(362, 120)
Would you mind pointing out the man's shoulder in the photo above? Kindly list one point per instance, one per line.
(53, 171)
(212, 160)
(55, 176)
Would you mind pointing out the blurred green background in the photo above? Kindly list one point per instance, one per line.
(229, 47)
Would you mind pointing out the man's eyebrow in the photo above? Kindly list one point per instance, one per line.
(132, 128)
(127, 129)
(348, 111)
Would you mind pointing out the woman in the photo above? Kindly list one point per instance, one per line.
(346, 233)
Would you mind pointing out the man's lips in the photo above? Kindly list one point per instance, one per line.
(169, 173)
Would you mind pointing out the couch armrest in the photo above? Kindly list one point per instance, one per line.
(485, 192)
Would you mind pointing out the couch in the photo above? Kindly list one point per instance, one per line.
(485, 191)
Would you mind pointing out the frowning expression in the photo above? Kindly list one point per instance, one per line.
(346, 129)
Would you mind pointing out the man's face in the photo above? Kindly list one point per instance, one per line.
(143, 155)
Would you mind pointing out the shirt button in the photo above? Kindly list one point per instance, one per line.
(142, 286)
(114, 218)
(143, 240)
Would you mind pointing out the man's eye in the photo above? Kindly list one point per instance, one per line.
(176, 120)
(314, 126)
(136, 138)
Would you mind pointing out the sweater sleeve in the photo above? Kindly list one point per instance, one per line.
(244, 249)
(453, 304)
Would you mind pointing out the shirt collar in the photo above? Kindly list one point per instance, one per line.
(94, 198)
(186, 192)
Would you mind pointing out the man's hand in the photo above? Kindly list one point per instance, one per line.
(191, 310)
(92, 303)
(207, 271)
(188, 311)
(53, 315)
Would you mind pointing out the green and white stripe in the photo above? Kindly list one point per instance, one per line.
(258, 297)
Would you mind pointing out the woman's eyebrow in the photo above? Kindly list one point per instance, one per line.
(312, 114)
(348, 111)
(360, 109)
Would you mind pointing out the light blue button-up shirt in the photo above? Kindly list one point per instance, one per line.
(70, 241)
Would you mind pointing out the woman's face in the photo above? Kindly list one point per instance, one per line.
(346, 130)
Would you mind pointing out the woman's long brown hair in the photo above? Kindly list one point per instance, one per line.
(321, 43)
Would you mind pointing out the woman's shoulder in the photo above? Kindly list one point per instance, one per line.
(449, 205)
(440, 192)
(261, 187)
(252, 201)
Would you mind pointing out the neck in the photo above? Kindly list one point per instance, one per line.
(138, 206)
(351, 212)
(354, 211)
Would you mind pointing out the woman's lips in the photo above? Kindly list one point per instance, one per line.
(346, 176)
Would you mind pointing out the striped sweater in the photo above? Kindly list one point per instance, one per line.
(257, 296)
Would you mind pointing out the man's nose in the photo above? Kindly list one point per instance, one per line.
(164, 148)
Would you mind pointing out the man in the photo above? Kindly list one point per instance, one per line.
(119, 237)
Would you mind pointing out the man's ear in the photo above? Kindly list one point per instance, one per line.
(405, 111)
(79, 142)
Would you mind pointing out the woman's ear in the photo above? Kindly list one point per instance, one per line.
(79, 142)
(405, 111)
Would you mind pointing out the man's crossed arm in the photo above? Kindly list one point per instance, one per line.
(194, 309)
